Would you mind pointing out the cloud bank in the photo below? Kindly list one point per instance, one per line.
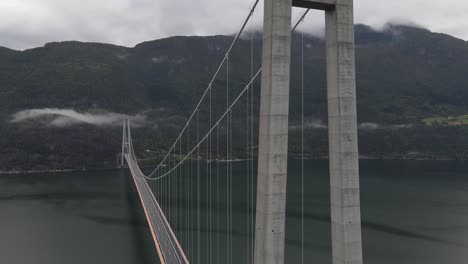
(32, 23)
(69, 117)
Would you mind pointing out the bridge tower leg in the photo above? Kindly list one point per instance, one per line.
(342, 134)
(273, 133)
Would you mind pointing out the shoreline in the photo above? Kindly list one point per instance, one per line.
(53, 171)
(293, 156)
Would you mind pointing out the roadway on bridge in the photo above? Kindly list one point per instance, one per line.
(167, 245)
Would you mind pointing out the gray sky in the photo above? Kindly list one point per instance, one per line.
(32, 23)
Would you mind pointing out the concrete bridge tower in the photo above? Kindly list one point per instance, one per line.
(342, 122)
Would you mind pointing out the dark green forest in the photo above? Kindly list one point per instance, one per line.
(412, 89)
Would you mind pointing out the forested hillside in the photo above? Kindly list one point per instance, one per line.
(412, 89)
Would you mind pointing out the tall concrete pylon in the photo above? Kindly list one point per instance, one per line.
(124, 142)
(342, 122)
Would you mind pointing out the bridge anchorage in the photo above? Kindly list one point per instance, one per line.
(185, 154)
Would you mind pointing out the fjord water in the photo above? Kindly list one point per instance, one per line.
(413, 212)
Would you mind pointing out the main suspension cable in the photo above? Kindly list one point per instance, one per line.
(247, 87)
(225, 58)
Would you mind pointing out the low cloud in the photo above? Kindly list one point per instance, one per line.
(374, 126)
(310, 124)
(369, 126)
(366, 126)
(69, 117)
(316, 124)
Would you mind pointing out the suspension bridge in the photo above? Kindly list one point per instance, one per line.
(193, 183)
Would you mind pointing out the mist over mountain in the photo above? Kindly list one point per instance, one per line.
(412, 89)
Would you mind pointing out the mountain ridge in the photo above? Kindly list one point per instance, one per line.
(357, 27)
(405, 75)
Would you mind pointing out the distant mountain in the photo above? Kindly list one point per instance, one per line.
(404, 76)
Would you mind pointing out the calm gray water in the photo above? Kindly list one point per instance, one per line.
(413, 212)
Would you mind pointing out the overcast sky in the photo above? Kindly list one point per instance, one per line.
(32, 23)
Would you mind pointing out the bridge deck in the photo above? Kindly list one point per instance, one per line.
(168, 247)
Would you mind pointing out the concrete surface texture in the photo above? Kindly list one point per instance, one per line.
(343, 140)
(273, 134)
(273, 141)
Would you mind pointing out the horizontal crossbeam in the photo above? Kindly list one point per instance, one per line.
(315, 4)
